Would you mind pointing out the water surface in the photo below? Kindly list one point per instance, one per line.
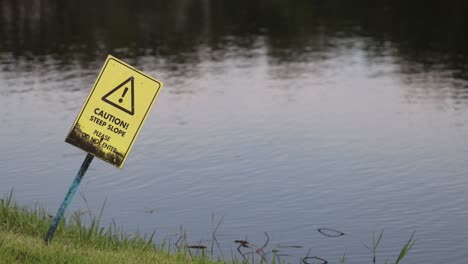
(282, 117)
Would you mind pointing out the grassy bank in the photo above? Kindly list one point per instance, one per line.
(22, 231)
(21, 248)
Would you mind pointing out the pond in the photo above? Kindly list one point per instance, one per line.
(284, 117)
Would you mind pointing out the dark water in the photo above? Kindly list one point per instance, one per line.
(281, 116)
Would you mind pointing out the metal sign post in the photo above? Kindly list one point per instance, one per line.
(68, 198)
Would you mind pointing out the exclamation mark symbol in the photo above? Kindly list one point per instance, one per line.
(123, 95)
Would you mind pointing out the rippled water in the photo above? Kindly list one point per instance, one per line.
(282, 117)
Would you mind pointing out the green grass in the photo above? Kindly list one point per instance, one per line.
(20, 248)
(22, 231)
(403, 252)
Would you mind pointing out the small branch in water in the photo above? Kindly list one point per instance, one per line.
(244, 244)
(197, 246)
(330, 232)
(304, 260)
(260, 251)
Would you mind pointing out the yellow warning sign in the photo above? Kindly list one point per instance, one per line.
(114, 112)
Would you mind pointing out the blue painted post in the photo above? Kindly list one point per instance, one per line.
(68, 198)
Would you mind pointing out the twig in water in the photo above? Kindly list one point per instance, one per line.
(304, 260)
(330, 232)
(197, 246)
(260, 251)
(290, 246)
(244, 244)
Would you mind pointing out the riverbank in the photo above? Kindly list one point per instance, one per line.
(81, 239)
(20, 248)
(22, 231)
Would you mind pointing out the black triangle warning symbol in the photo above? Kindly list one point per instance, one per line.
(122, 97)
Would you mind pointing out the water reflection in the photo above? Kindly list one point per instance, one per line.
(427, 33)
